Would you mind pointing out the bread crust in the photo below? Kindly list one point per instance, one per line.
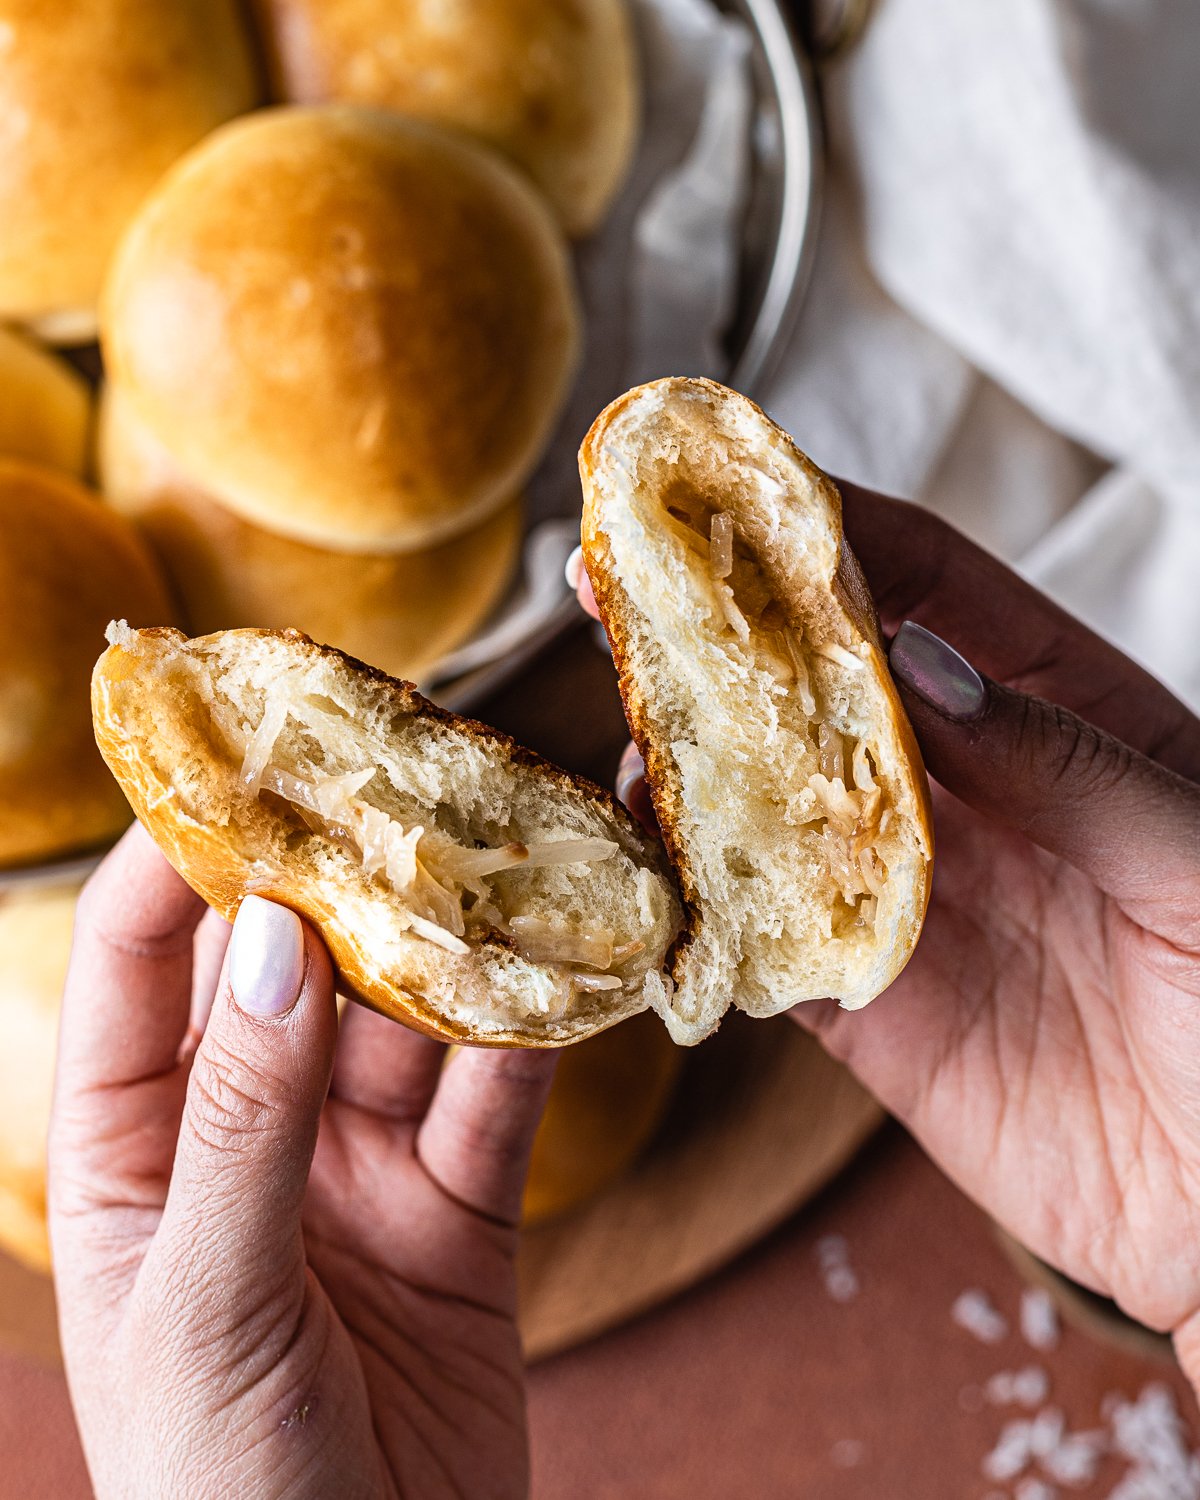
(615, 435)
(67, 565)
(377, 326)
(113, 92)
(204, 856)
(404, 610)
(551, 86)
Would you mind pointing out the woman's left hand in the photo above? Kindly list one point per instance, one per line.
(277, 1273)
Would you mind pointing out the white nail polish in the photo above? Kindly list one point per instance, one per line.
(574, 568)
(266, 958)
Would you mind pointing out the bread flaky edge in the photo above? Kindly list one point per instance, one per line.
(850, 590)
(187, 844)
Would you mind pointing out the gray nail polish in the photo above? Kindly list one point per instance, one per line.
(266, 958)
(938, 675)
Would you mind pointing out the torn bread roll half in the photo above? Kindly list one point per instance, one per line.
(788, 786)
(462, 885)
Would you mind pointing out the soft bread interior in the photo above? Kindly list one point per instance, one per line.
(461, 883)
(787, 784)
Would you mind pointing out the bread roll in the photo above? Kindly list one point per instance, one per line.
(401, 612)
(462, 885)
(550, 83)
(786, 780)
(609, 1097)
(45, 407)
(97, 99)
(349, 328)
(67, 565)
(35, 943)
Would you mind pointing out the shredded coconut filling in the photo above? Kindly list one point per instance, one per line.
(849, 801)
(441, 883)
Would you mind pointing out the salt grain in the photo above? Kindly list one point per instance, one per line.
(1028, 1387)
(1012, 1453)
(1076, 1459)
(848, 1453)
(974, 1312)
(1046, 1432)
(840, 1279)
(1039, 1319)
(1035, 1489)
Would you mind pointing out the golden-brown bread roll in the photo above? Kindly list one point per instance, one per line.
(45, 406)
(67, 565)
(608, 1098)
(787, 783)
(349, 328)
(97, 99)
(550, 83)
(462, 885)
(401, 611)
(35, 943)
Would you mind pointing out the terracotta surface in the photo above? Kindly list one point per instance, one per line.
(746, 1385)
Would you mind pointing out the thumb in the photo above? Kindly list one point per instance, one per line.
(258, 1083)
(1123, 820)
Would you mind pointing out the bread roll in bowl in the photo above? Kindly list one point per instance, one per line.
(35, 943)
(399, 611)
(609, 1096)
(45, 407)
(462, 885)
(67, 565)
(552, 86)
(788, 786)
(97, 100)
(349, 328)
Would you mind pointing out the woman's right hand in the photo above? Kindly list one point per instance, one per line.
(1044, 1042)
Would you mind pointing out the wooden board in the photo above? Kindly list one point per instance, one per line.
(762, 1120)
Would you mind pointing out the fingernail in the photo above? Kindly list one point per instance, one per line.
(266, 958)
(574, 569)
(937, 673)
(630, 771)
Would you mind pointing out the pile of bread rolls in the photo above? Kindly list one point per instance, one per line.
(324, 247)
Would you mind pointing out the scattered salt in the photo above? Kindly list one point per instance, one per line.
(848, 1453)
(1046, 1432)
(974, 1312)
(1039, 1319)
(1035, 1489)
(840, 1279)
(1028, 1387)
(1012, 1453)
(1076, 1459)
(1149, 1433)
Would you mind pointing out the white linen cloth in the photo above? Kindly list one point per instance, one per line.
(1004, 320)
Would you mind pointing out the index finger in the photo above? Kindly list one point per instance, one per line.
(920, 568)
(128, 992)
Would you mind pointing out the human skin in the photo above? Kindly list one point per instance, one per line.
(1043, 1043)
(280, 1271)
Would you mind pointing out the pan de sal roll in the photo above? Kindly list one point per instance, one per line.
(553, 86)
(400, 611)
(35, 944)
(45, 406)
(462, 885)
(787, 783)
(67, 564)
(609, 1097)
(102, 98)
(349, 328)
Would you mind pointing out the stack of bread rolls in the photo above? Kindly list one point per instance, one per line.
(336, 336)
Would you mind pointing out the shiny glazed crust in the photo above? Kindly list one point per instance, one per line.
(372, 326)
(552, 86)
(113, 92)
